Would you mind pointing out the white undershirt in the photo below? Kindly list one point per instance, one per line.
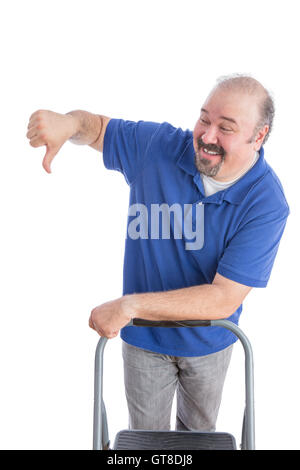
(212, 186)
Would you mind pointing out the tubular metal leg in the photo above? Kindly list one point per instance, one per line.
(248, 434)
(100, 432)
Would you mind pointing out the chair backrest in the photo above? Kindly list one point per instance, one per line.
(100, 433)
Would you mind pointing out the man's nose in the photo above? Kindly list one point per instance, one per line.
(210, 136)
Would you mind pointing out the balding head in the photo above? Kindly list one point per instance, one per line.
(235, 120)
(249, 85)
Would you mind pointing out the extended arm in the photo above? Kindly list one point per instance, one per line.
(54, 129)
(90, 129)
(206, 302)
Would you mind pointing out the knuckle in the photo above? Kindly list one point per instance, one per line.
(92, 315)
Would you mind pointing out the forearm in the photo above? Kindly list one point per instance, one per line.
(88, 128)
(205, 302)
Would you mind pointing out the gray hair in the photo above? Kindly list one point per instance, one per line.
(248, 84)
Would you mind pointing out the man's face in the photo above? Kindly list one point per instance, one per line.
(223, 135)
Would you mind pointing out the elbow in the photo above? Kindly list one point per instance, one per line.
(223, 302)
(227, 313)
(221, 315)
(224, 311)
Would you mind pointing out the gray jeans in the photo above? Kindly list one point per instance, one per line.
(152, 378)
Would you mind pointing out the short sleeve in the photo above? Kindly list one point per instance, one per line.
(250, 254)
(125, 146)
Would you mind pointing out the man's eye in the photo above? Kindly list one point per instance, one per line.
(224, 129)
(204, 122)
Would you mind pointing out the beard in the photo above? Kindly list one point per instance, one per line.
(204, 165)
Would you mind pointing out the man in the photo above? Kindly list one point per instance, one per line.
(205, 220)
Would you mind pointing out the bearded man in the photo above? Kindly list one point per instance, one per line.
(219, 181)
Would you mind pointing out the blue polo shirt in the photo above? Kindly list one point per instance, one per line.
(236, 231)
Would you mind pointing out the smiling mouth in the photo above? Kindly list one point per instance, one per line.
(209, 150)
(210, 153)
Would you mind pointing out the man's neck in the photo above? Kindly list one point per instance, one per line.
(233, 178)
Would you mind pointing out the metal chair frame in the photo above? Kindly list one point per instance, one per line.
(100, 426)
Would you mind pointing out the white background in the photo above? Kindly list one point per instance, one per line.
(62, 235)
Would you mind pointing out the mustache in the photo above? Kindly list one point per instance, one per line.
(210, 147)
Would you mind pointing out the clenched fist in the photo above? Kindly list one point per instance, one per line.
(50, 129)
(107, 319)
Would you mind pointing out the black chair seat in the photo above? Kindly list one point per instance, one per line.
(173, 440)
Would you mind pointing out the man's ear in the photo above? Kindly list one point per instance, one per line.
(260, 136)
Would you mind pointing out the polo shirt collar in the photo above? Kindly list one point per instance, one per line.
(236, 193)
(186, 161)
